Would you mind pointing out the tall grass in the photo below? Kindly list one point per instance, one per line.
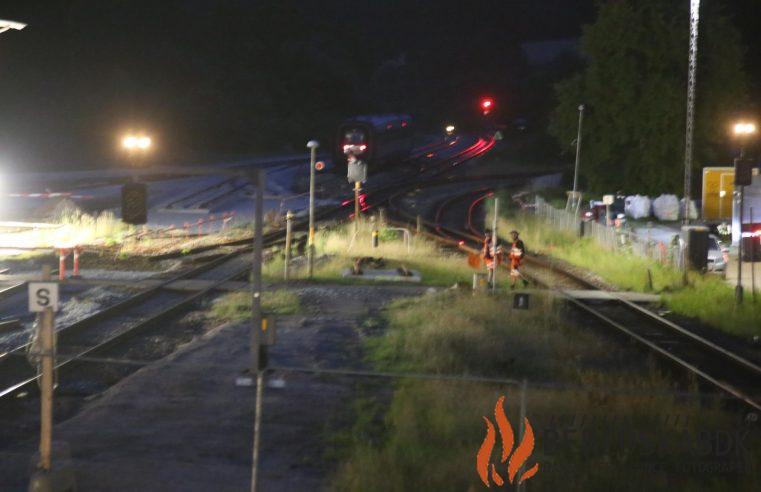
(236, 306)
(706, 297)
(339, 246)
(603, 418)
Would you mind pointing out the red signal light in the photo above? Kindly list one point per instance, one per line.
(487, 104)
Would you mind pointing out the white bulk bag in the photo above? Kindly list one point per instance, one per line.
(637, 206)
(666, 207)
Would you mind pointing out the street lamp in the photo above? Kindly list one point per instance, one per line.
(574, 198)
(743, 131)
(9, 24)
(312, 146)
(449, 129)
(136, 143)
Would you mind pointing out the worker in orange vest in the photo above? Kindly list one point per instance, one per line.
(488, 254)
(517, 252)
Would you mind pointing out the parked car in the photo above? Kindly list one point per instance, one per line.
(718, 255)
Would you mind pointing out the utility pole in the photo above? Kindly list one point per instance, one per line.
(752, 263)
(578, 151)
(691, 80)
(312, 146)
(521, 486)
(43, 300)
(288, 232)
(256, 318)
(47, 359)
(356, 206)
(494, 246)
(739, 287)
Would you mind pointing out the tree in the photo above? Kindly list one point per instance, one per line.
(634, 87)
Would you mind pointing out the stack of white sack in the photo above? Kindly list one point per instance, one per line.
(693, 209)
(666, 207)
(637, 206)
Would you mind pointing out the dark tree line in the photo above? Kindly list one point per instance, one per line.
(634, 88)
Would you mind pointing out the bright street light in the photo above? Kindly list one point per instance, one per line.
(449, 129)
(136, 142)
(8, 24)
(743, 128)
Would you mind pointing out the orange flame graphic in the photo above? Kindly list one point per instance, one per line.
(518, 458)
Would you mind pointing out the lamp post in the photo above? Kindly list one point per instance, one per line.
(312, 146)
(9, 24)
(578, 150)
(743, 131)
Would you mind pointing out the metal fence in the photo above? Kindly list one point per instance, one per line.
(613, 238)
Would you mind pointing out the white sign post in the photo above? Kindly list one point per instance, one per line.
(43, 299)
(608, 201)
(43, 295)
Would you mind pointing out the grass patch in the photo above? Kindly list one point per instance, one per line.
(604, 419)
(706, 297)
(236, 306)
(340, 247)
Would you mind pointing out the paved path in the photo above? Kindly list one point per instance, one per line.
(182, 424)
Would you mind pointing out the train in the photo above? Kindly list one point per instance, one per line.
(380, 141)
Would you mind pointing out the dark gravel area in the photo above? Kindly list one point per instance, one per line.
(181, 423)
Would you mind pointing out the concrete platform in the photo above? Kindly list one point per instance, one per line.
(602, 295)
(390, 275)
(188, 285)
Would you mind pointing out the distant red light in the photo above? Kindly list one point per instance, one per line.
(461, 243)
(389, 126)
(404, 123)
(487, 104)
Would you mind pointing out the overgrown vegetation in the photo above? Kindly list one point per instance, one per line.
(604, 419)
(236, 306)
(706, 297)
(633, 88)
(338, 247)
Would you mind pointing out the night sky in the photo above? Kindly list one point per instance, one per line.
(215, 80)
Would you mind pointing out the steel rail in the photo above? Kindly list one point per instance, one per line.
(270, 239)
(702, 344)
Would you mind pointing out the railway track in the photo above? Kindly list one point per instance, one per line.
(734, 371)
(116, 324)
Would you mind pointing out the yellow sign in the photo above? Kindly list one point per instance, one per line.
(718, 186)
